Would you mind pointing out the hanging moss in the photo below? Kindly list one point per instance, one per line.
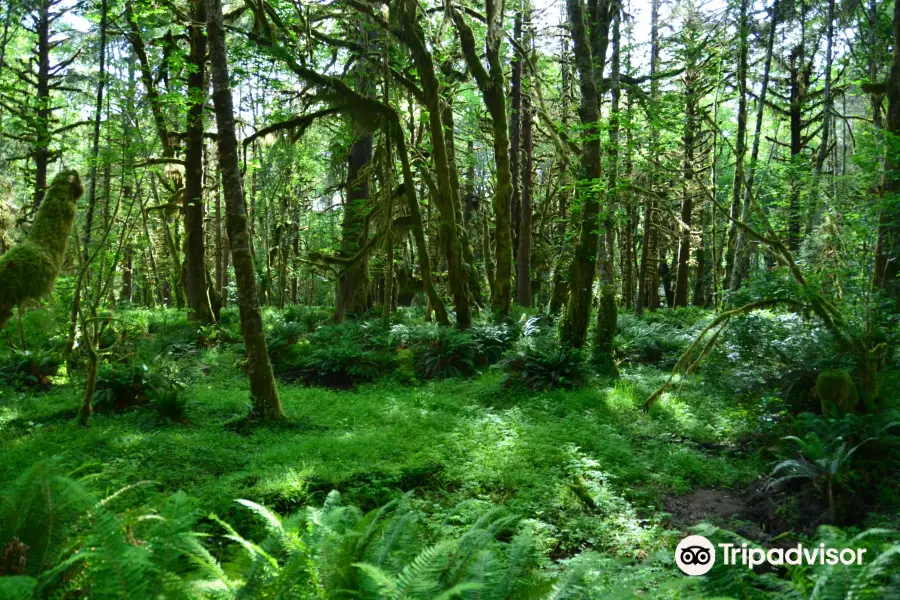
(837, 393)
(28, 270)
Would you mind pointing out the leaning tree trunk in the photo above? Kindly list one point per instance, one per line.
(263, 391)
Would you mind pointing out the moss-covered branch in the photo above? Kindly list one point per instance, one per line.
(28, 270)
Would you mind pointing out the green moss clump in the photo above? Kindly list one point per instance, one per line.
(837, 392)
(28, 270)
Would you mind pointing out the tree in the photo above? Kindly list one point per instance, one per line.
(887, 251)
(263, 391)
(586, 43)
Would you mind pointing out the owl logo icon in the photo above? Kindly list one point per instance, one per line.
(695, 555)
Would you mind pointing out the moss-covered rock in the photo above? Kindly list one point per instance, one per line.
(28, 270)
(837, 393)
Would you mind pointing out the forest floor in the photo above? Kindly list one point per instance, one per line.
(589, 465)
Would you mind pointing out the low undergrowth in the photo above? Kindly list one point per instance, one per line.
(460, 424)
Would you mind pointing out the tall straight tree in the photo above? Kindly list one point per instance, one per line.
(607, 311)
(648, 278)
(515, 138)
(263, 391)
(590, 42)
(742, 248)
(887, 251)
(740, 144)
(526, 208)
(195, 274)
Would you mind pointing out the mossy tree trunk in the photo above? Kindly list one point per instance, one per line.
(887, 252)
(198, 304)
(263, 391)
(352, 293)
(590, 47)
(447, 198)
(607, 311)
(492, 85)
(515, 141)
(526, 210)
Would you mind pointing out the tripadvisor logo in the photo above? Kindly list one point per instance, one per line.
(696, 555)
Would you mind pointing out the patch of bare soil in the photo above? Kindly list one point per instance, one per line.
(700, 505)
(751, 513)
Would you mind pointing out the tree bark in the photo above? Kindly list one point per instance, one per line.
(523, 262)
(740, 145)
(590, 66)
(515, 140)
(352, 294)
(648, 277)
(742, 250)
(411, 33)
(42, 125)
(491, 83)
(263, 391)
(687, 199)
(887, 251)
(198, 304)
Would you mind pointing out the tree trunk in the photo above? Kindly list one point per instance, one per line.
(263, 391)
(352, 294)
(740, 145)
(687, 199)
(590, 66)
(491, 83)
(607, 312)
(42, 126)
(515, 141)
(523, 263)
(887, 251)
(194, 243)
(742, 250)
(447, 204)
(648, 277)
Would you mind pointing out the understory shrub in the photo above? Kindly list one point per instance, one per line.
(444, 352)
(655, 338)
(342, 355)
(766, 350)
(841, 462)
(545, 365)
(139, 383)
(309, 317)
(59, 541)
(29, 368)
